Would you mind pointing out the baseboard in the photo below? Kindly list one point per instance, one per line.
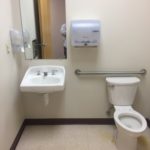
(16, 141)
(70, 121)
(148, 122)
(63, 121)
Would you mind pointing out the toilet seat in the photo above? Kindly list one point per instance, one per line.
(129, 119)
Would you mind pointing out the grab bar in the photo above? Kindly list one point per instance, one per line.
(111, 73)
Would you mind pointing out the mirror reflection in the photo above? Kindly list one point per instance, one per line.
(44, 29)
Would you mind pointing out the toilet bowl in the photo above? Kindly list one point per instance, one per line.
(129, 121)
(130, 125)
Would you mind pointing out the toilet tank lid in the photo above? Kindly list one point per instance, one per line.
(122, 80)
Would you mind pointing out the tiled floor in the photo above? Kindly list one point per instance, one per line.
(73, 137)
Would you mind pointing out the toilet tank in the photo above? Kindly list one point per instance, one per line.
(122, 90)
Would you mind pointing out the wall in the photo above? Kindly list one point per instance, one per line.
(11, 111)
(125, 45)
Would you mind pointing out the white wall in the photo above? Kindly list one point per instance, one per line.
(125, 45)
(11, 111)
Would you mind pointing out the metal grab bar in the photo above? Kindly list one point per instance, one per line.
(111, 73)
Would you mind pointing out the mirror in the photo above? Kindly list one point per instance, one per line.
(44, 29)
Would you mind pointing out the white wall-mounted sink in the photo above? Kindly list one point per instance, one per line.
(43, 79)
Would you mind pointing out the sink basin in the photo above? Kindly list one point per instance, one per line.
(43, 79)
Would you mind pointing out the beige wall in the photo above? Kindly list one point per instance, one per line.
(125, 45)
(11, 112)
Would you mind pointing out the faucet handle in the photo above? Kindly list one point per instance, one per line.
(38, 72)
(45, 73)
(53, 72)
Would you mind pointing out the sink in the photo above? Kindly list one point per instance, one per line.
(43, 79)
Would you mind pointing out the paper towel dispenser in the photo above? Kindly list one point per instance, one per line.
(85, 33)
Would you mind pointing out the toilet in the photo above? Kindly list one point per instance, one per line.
(130, 123)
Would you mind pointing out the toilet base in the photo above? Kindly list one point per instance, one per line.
(125, 142)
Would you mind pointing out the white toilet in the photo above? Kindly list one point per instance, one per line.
(130, 124)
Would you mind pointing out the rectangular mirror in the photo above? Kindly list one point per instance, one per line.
(44, 29)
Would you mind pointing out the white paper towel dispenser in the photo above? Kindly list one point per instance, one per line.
(85, 33)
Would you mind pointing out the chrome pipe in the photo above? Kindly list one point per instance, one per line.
(111, 73)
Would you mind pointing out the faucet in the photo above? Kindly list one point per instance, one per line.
(45, 74)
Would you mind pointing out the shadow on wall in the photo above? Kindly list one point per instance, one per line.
(53, 109)
(86, 54)
(16, 14)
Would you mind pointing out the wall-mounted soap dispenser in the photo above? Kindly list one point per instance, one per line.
(16, 41)
(85, 33)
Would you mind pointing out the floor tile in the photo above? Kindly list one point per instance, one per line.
(74, 137)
